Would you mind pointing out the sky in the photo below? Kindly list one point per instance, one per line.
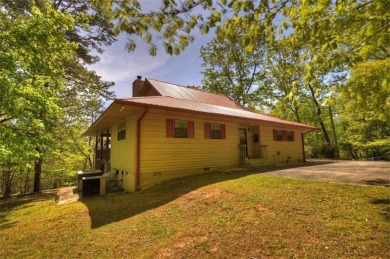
(122, 67)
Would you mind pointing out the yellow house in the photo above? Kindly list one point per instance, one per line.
(167, 131)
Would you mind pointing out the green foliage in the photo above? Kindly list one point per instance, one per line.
(369, 87)
(44, 88)
(232, 70)
(364, 110)
(312, 47)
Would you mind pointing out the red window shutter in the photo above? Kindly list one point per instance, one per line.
(191, 132)
(275, 134)
(223, 131)
(293, 138)
(170, 128)
(207, 130)
(284, 135)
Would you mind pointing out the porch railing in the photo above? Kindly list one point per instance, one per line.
(103, 154)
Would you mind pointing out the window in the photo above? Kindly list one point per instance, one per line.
(122, 130)
(180, 129)
(290, 135)
(214, 131)
(283, 135)
(278, 135)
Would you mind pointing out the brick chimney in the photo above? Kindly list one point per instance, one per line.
(138, 84)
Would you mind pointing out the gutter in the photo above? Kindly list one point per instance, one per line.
(138, 151)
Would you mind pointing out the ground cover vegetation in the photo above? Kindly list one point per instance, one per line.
(325, 63)
(215, 215)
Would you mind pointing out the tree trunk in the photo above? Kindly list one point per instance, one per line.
(37, 175)
(8, 177)
(26, 187)
(296, 111)
(319, 112)
(334, 133)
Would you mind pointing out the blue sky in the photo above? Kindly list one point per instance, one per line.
(122, 67)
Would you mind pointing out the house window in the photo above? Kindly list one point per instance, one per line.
(278, 135)
(214, 131)
(283, 135)
(122, 130)
(179, 128)
(290, 135)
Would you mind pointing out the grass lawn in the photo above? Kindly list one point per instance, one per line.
(216, 215)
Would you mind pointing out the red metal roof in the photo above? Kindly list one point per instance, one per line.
(169, 103)
(182, 92)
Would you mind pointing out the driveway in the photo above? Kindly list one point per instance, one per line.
(353, 172)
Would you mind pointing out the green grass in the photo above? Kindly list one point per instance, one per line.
(216, 215)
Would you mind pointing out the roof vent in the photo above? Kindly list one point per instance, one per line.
(139, 77)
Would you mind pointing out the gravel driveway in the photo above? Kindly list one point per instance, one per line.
(354, 172)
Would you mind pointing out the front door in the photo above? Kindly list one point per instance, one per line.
(243, 141)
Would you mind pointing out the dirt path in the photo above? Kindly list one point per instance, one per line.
(67, 195)
(354, 172)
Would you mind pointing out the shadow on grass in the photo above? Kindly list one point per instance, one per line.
(386, 212)
(115, 207)
(19, 202)
(377, 182)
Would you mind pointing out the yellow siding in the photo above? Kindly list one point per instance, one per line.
(123, 154)
(286, 149)
(256, 150)
(163, 158)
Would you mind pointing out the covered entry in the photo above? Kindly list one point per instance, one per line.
(250, 143)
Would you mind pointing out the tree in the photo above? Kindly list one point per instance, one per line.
(365, 101)
(285, 79)
(231, 70)
(33, 50)
(43, 78)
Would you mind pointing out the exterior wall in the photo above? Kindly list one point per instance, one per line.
(163, 158)
(249, 141)
(123, 154)
(256, 150)
(281, 150)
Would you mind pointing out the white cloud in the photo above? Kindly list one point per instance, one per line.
(122, 67)
(117, 65)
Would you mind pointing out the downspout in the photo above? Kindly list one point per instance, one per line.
(138, 152)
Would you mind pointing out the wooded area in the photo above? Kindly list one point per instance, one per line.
(324, 63)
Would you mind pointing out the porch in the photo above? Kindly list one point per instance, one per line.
(103, 152)
(260, 161)
(251, 146)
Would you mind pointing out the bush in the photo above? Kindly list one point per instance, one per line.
(322, 151)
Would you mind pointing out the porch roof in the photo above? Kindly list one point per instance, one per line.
(114, 113)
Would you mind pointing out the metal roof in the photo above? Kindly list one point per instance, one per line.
(182, 92)
(169, 103)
